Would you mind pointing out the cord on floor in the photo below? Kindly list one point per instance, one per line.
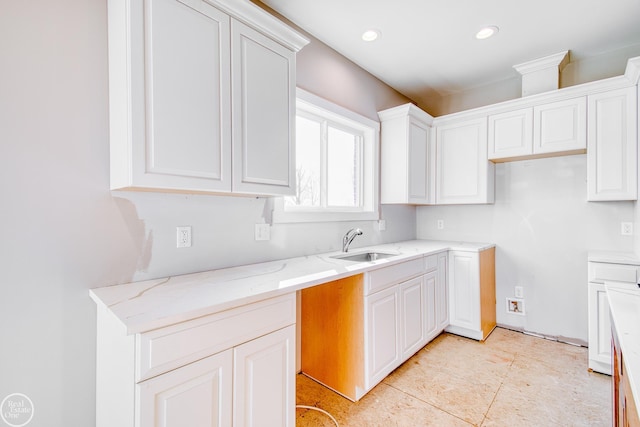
(319, 410)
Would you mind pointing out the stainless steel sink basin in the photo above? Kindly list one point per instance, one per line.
(364, 256)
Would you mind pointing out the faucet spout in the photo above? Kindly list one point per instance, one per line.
(348, 238)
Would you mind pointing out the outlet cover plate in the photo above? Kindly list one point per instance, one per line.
(183, 237)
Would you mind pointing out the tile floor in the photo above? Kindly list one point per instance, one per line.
(511, 379)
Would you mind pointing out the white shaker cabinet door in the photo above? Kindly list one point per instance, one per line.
(263, 92)
(264, 380)
(418, 174)
(560, 126)
(464, 173)
(612, 146)
(198, 394)
(510, 134)
(169, 95)
(599, 329)
(406, 173)
(464, 285)
(382, 335)
(430, 305)
(442, 299)
(412, 310)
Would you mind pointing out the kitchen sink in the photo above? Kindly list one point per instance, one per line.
(364, 256)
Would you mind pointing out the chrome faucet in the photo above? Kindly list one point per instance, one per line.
(348, 238)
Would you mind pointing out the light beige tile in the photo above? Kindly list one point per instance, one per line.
(546, 406)
(512, 379)
(382, 406)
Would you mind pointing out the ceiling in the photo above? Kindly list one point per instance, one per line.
(428, 48)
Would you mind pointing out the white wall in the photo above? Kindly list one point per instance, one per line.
(63, 232)
(543, 228)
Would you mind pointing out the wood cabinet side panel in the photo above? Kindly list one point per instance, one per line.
(487, 291)
(332, 343)
(630, 416)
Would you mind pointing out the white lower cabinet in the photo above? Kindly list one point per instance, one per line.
(356, 330)
(599, 329)
(472, 296)
(599, 319)
(235, 367)
(414, 310)
(382, 333)
(258, 374)
(198, 394)
(430, 322)
(264, 387)
(442, 293)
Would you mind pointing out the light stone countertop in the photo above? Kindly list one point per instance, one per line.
(151, 304)
(624, 302)
(614, 257)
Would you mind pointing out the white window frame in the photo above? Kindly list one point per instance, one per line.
(370, 130)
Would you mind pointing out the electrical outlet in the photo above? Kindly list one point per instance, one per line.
(440, 224)
(382, 225)
(183, 236)
(519, 292)
(626, 228)
(515, 306)
(262, 232)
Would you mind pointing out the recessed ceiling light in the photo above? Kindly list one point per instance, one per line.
(370, 35)
(487, 32)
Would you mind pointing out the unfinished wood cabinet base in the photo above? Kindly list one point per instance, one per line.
(332, 342)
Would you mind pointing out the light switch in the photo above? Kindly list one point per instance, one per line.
(262, 232)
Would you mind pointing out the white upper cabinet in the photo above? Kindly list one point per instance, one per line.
(179, 77)
(511, 134)
(463, 173)
(264, 113)
(166, 56)
(406, 175)
(551, 129)
(612, 145)
(560, 127)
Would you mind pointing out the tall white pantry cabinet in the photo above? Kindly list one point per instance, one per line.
(201, 97)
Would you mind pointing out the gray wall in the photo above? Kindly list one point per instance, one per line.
(543, 228)
(63, 232)
(609, 64)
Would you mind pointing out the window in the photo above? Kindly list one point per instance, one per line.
(336, 165)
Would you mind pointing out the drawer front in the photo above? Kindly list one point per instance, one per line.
(169, 348)
(600, 271)
(382, 278)
(430, 263)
